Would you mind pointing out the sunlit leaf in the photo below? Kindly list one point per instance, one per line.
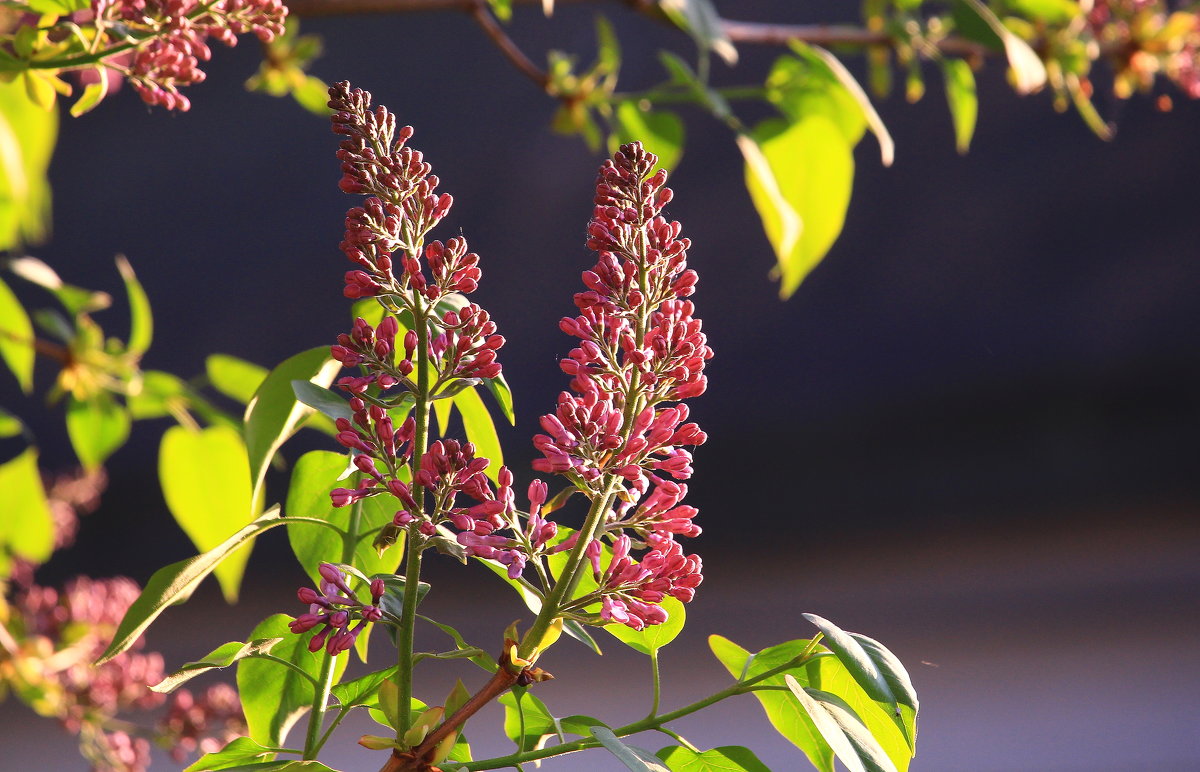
(963, 101)
(728, 758)
(156, 395)
(175, 583)
(362, 690)
(1029, 73)
(876, 670)
(538, 721)
(887, 147)
(26, 526)
(233, 377)
(799, 176)
(634, 758)
(10, 425)
(784, 713)
(503, 394)
(829, 675)
(274, 697)
(97, 427)
(315, 474)
(802, 85)
(240, 751)
(313, 95)
(842, 729)
(92, 94)
(206, 482)
(141, 320)
(659, 130)
(27, 137)
(16, 337)
(274, 414)
(480, 430)
(652, 637)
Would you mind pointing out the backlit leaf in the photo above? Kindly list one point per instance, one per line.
(141, 320)
(480, 429)
(659, 130)
(728, 758)
(652, 637)
(233, 377)
(237, 752)
(96, 426)
(16, 336)
(206, 482)
(26, 527)
(274, 697)
(27, 137)
(842, 729)
(963, 101)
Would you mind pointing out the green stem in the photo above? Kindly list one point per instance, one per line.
(342, 713)
(412, 560)
(646, 724)
(324, 683)
(657, 683)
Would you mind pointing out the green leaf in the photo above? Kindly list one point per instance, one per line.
(799, 177)
(97, 427)
(1028, 71)
(281, 766)
(156, 395)
(274, 414)
(503, 394)
(233, 377)
(26, 528)
(964, 104)
(221, 657)
(632, 757)
(10, 425)
(315, 474)
(803, 85)
(141, 320)
(327, 401)
(538, 721)
(393, 596)
(483, 660)
(727, 758)
(313, 95)
(887, 147)
(828, 674)
(502, 9)
(699, 18)
(842, 729)
(363, 689)
(27, 137)
(75, 300)
(784, 713)
(92, 95)
(206, 483)
(480, 429)
(238, 751)
(16, 333)
(876, 670)
(1052, 12)
(274, 697)
(174, 584)
(652, 637)
(660, 131)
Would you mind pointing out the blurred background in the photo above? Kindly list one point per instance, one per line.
(972, 433)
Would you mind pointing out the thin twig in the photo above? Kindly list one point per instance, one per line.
(483, 17)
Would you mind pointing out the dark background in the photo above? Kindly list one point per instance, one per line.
(971, 433)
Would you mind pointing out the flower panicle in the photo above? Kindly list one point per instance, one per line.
(335, 608)
(176, 38)
(640, 348)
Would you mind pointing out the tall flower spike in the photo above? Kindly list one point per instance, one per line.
(640, 347)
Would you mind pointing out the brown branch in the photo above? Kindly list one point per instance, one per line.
(355, 7)
(831, 35)
(483, 17)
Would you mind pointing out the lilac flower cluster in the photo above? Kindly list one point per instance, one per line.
(176, 36)
(640, 346)
(336, 607)
(1148, 39)
(62, 633)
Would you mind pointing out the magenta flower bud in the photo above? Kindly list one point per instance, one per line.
(402, 518)
(307, 595)
(342, 496)
(372, 613)
(304, 623)
(339, 619)
(318, 640)
(377, 589)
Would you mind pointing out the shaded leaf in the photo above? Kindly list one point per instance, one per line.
(221, 657)
(175, 583)
(503, 394)
(1028, 71)
(206, 483)
(327, 401)
(538, 721)
(699, 18)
